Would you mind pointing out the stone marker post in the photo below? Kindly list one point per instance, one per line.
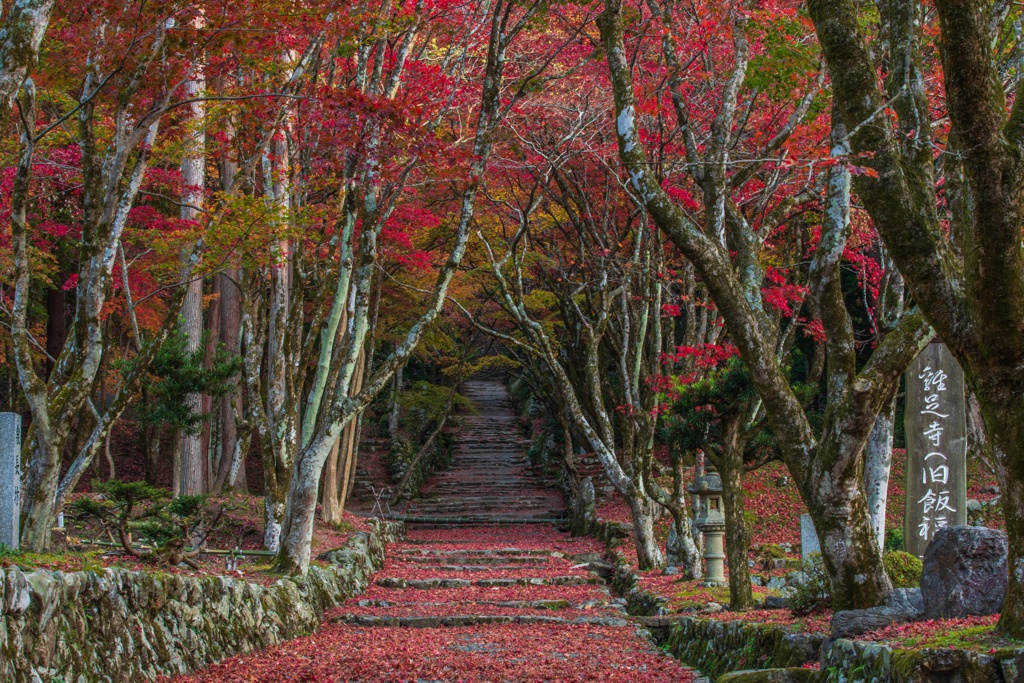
(936, 424)
(10, 478)
(809, 542)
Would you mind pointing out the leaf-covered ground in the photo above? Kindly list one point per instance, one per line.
(480, 653)
(970, 633)
(773, 509)
(240, 526)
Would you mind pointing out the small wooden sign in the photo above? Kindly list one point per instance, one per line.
(936, 424)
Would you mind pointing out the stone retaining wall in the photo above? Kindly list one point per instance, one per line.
(717, 647)
(847, 661)
(119, 625)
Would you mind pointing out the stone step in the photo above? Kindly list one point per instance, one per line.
(480, 561)
(482, 568)
(475, 552)
(472, 620)
(427, 584)
(512, 604)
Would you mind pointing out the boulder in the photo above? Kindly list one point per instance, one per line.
(791, 675)
(908, 600)
(853, 622)
(964, 573)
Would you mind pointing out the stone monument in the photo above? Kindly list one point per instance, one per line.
(10, 478)
(936, 424)
(809, 542)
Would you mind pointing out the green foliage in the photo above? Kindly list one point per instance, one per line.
(468, 369)
(521, 393)
(428, 401)
(700, 406)
(814, 592)
(180, 373)
(151, 514)
(768, 552)
(894, 539)
(750, 519)
(903, 569)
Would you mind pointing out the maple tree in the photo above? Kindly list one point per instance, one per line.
(625, 196)
(730, 255)
(958, 248)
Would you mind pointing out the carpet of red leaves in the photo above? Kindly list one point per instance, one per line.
(491, 652)
(469, 655)
(971, 633)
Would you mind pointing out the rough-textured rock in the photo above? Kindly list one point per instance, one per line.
(716, 647)
(848, 660)
(906, 599)
(902, 605)
(853, 622)
(964, 572)
(123, 626)
(791, 675)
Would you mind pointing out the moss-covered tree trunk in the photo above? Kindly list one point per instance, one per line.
(737, 536)
(1002, 405)
(726, 255)
(968, 275)
(648, 554)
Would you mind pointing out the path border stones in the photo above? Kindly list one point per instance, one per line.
(121, 626)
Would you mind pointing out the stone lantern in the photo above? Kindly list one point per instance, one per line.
(710, 519)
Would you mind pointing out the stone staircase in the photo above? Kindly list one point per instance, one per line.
(490, 478)
(423, 587)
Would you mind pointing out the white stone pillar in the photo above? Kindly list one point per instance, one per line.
(10, 479)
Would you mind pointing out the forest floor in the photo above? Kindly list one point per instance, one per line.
(490, 603)
(475, 602)
(85, 545)
(773, 512)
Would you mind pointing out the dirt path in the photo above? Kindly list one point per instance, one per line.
(513, 602)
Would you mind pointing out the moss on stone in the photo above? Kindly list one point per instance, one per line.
(118, 625)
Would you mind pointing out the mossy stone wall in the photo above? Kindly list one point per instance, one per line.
(848, 661)
(118, 625)
(717, 647)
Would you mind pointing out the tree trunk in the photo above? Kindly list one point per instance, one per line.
(213, 455)
(192, 479)
(877, 462)
(56, 324)
(20, 37)
(396, 406)
(849, 548)
(150, 434)
(737, 537)
(648, 554)
(340, 461)
(329, 494)
(230, 404)
(681, 548)
(1002, 404)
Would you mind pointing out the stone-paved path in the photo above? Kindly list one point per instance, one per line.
(511, 602)
(490, 477)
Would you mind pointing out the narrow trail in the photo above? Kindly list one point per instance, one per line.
(490, 476)
(515, 602)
